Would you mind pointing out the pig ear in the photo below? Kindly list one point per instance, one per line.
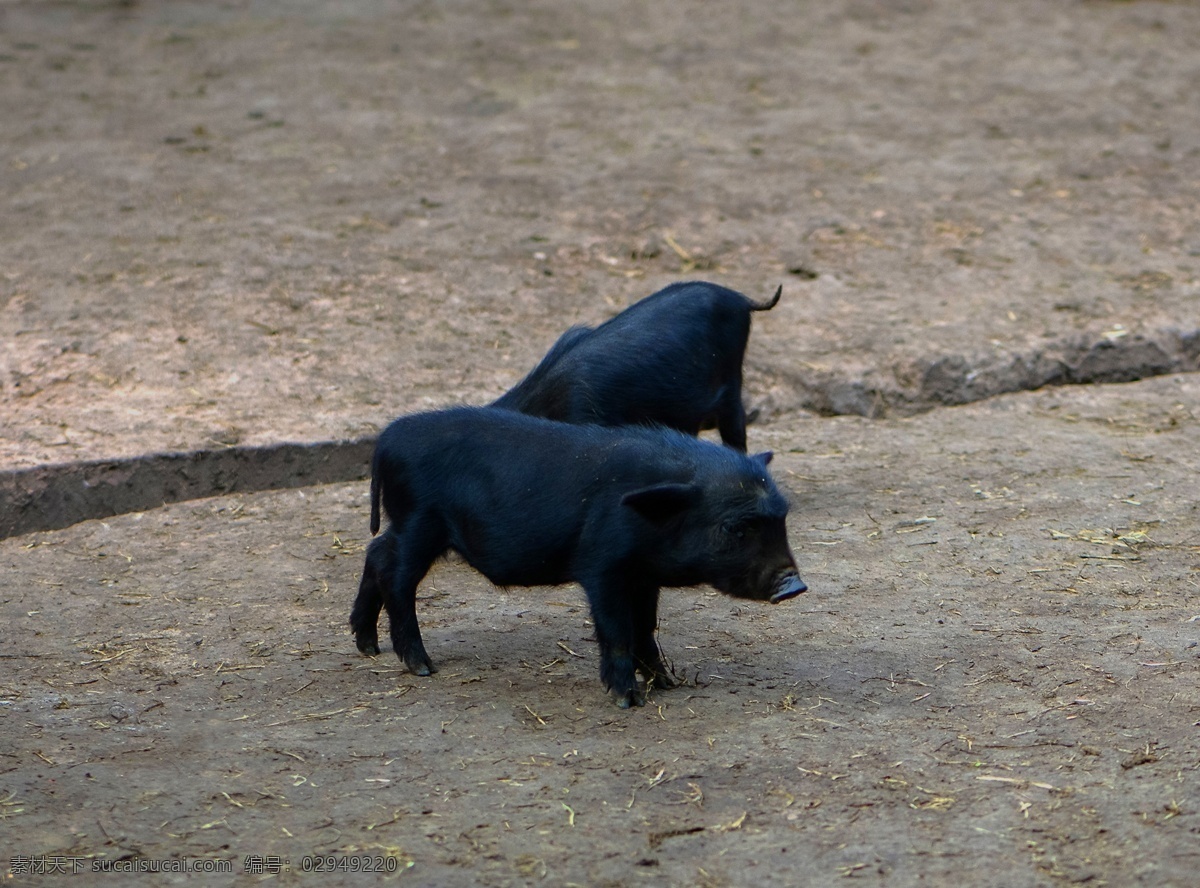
(763, 458)
(662, 502)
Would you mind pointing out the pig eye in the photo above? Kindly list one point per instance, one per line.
(743, 529)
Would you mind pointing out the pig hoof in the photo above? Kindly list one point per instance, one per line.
(420, 665)
(368, 646)
(631, 698)
(657, 678)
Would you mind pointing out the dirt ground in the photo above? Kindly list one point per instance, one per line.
(993, 679)
(249, 222)
(241, 223)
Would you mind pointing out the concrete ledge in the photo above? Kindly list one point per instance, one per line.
(954, 379)
(55, 496)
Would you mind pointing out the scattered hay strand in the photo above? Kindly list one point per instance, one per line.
(1018, 782)
(569, 651)
(318, 716)
(11, 806)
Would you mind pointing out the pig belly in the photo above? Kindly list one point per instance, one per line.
(516, 558)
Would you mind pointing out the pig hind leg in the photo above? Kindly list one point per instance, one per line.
(364, 616)
(731, 419)
(410, 551)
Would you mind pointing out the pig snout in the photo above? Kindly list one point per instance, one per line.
(789, 585)
(772, 585)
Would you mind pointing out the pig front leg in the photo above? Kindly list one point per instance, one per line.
(646, 653)
(613, 617)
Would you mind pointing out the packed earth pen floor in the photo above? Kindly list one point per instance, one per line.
(232, 226)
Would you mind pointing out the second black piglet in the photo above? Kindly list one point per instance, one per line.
(674, 359)
(531, 502)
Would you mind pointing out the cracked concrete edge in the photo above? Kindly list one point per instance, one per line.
(951, 380)
(55, 496)
(51, 497)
